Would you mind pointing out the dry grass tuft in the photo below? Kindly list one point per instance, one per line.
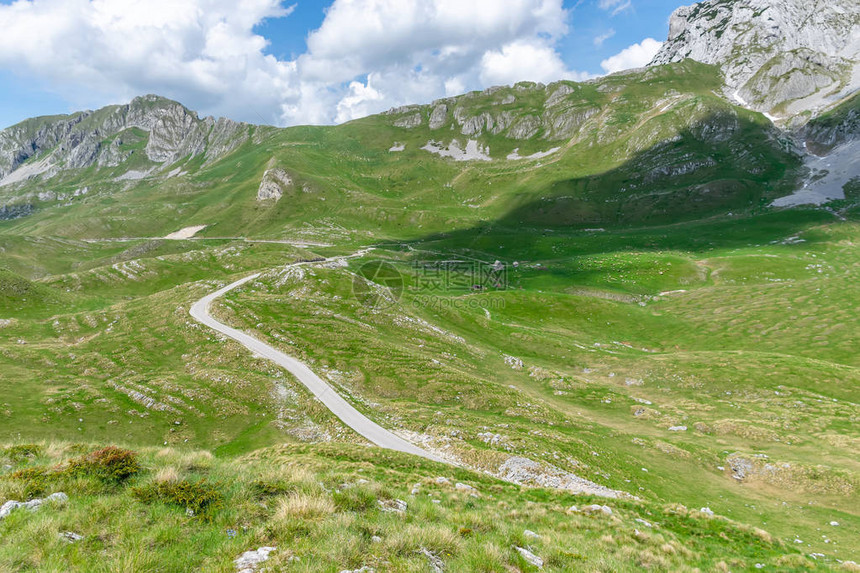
(305, 506)
(167, 474)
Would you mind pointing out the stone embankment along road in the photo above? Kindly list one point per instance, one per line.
(318, 387)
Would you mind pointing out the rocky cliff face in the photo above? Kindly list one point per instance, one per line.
(782, 57)
(162, 130)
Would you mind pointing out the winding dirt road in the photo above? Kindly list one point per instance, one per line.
(318, 387)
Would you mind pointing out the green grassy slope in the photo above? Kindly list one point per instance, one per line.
(322, 508)
(652, 146)
(648, 288)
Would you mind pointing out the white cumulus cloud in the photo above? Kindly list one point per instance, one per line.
(634, 56)
(366, 56)
(203, 52)
(525, 60)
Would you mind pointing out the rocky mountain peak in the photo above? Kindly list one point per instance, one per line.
(156, 131)
(782, 57)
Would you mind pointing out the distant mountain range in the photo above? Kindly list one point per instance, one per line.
(669, 140)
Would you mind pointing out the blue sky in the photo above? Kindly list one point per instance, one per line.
(304, 61)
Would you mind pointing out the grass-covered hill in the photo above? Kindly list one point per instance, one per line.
(329, 508)
(660, 331)
(648, 146)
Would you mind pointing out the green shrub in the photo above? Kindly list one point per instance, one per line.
(356, 499)
(110, 464)
(200, 497)
(271, 488)
(22, 452)
(36, 481)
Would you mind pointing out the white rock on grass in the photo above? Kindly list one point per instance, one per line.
(604, 509)
(436, 564)
(530, 534)
(525, 471)
(393, 505)
(474, 151)
(464, 487)
(707, 511)
(442, 480)
(678, 428)
(70, 536)
(32, 505)
(250, 560)
(364, 569)
(530, 557)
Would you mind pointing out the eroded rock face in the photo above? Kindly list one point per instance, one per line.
(273, 184)
(780, 57)
(439, 116)
(409, 121)
(80, 140)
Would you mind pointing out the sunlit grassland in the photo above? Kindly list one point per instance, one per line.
(320, 506)
(610, 364)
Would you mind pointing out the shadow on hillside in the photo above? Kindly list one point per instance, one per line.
(706, 189)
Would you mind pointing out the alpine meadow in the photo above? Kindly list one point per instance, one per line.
(606, 325)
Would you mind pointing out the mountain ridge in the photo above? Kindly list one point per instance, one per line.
(785, 58)
(50, 143)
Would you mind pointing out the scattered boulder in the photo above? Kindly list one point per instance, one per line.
(442, 480)
(707, 511)
(530, 534)
(595, 508)
(392, 505)
(436, 564)
(32, 505)
(741, 467)
(71, 536)
(465, 487)
(249, 561)
(530, 557)
(677, 428)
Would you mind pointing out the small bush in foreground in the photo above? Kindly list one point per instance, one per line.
(200, 497)
(270, 488)
(110, 464)
(35, 481)
(356, 499)
(22, 452)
